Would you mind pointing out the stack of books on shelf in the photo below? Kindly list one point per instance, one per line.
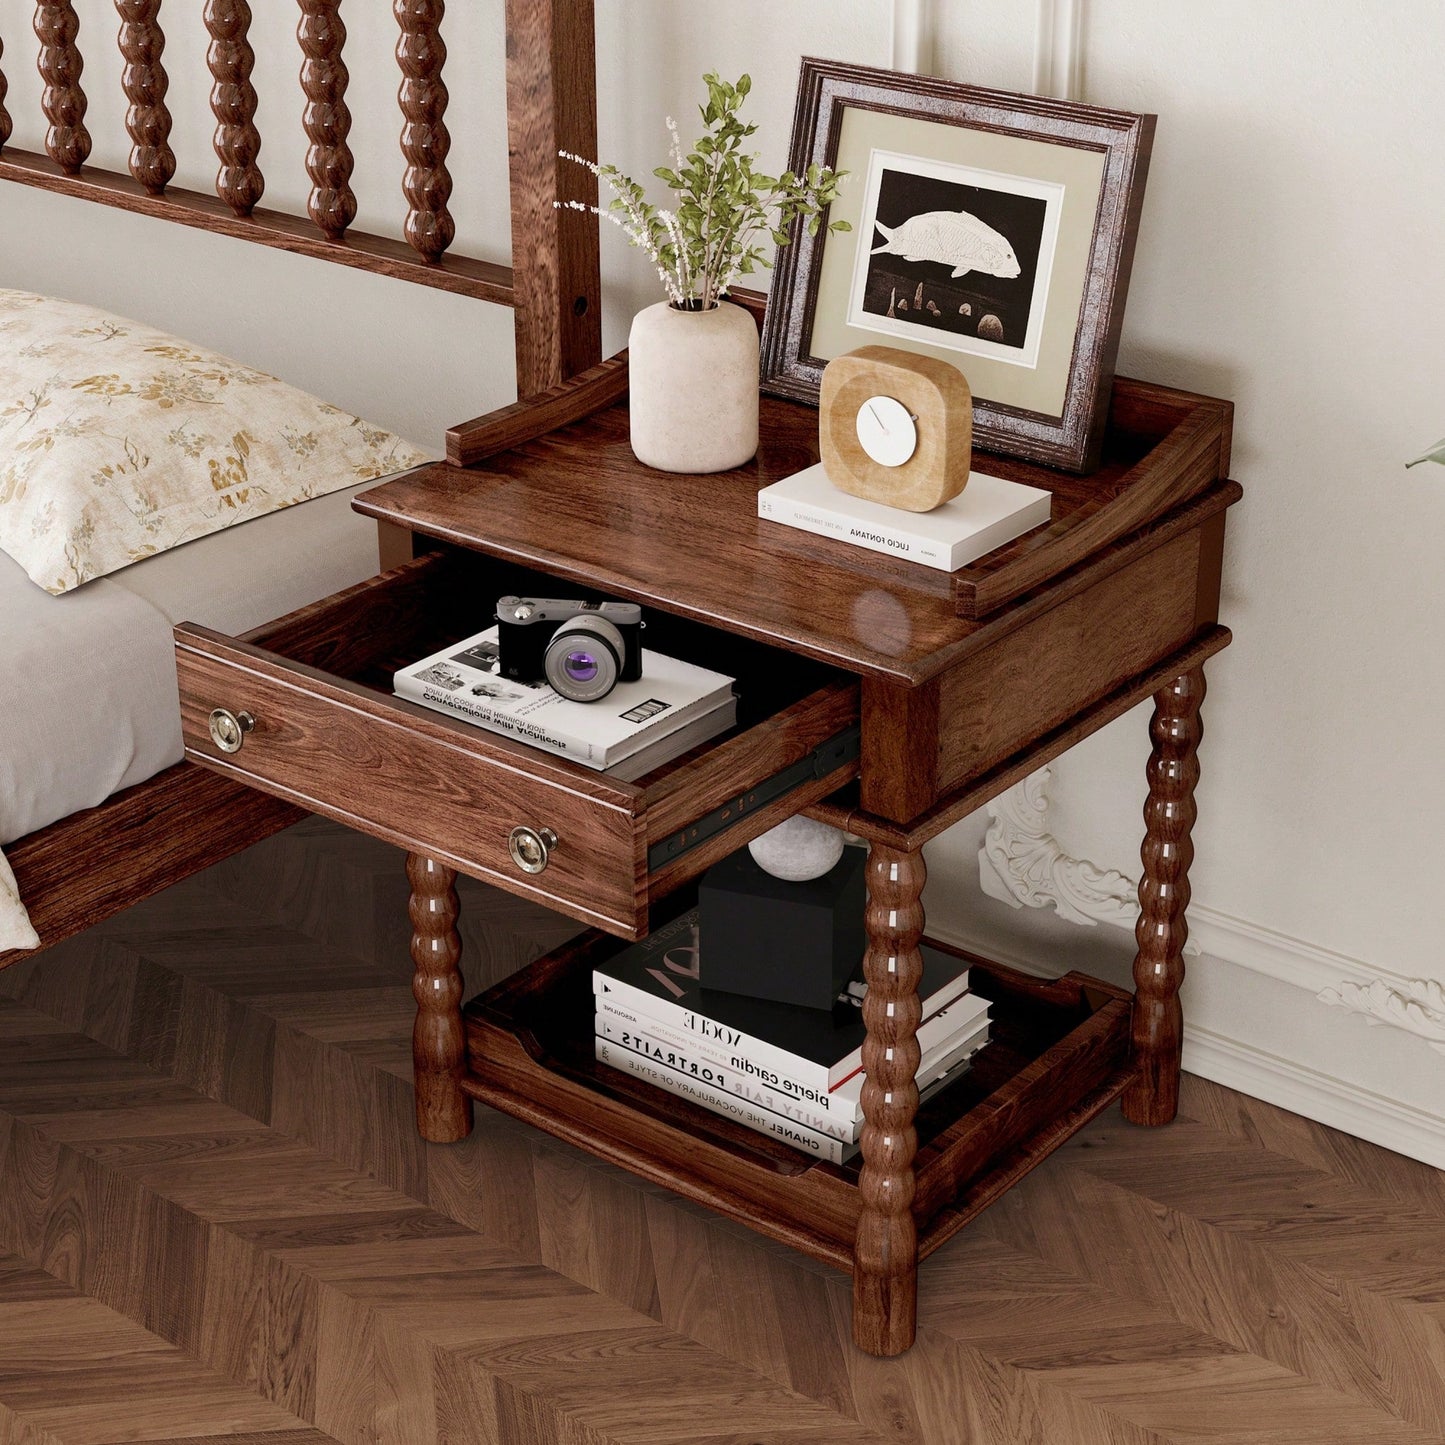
(792, 1072)
(635, 728)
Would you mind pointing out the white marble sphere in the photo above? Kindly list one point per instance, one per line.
(798, 849)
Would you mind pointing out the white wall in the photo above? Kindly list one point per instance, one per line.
(1290, 258)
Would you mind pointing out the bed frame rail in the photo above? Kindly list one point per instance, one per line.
(551, 92)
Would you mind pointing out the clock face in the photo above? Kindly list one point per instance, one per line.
(886, 431)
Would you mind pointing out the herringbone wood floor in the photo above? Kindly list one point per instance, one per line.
(217, 1223)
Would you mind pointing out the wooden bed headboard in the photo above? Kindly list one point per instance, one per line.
(553, 283)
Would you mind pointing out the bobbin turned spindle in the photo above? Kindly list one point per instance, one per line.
(144, 80)
(239, 181)
(1167, 851)
(443, 1111)
(425, 141)
(57, 27)
(5, 123)
(885, 1270)
(326, 118)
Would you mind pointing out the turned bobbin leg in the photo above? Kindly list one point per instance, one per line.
(443, 1112)
(885, 1256)
(1169, 813)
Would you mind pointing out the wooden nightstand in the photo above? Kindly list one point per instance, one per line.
(882, 696)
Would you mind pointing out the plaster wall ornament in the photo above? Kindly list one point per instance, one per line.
(1418, 1007)
(1022, 864)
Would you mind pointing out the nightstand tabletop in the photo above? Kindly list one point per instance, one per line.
(576, 504)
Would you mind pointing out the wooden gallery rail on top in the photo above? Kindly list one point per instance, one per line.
(552, 283)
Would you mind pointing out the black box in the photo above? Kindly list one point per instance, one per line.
(796, 943)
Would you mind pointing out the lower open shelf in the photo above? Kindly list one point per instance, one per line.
(1059, 1053)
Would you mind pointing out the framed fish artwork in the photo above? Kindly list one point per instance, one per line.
(995, 231)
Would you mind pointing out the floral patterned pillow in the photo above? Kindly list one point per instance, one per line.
(118, 441)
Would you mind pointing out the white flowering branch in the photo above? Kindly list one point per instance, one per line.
(640, 239)
(648, 229)
(712, 236)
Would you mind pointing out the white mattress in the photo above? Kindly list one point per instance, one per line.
(88, 700)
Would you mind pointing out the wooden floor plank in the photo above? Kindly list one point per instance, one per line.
(73, 1372)
(1234, 1295)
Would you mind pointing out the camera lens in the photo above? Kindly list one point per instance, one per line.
(584, 658)
(580, 666)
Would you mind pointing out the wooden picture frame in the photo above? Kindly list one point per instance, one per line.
(1036, 331)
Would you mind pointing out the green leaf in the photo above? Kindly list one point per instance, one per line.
(1435, 453)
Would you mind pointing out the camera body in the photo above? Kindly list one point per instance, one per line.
(583, 649)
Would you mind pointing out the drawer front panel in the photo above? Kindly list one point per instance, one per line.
(374, 764)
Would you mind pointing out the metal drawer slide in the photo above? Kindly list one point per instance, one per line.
(828, 757)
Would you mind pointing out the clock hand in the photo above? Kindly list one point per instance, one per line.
(879, 420)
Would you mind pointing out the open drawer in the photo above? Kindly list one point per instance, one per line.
(328, 734)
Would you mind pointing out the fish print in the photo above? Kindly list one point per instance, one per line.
(952, 238)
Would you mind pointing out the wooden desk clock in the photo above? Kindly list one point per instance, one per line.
(895, 427)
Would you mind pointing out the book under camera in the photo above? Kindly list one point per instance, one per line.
(987, 513)
(638, 726)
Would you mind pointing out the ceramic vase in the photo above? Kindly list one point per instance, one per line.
(693, 387)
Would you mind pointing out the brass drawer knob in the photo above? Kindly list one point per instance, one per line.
(229, 729)
(531, 848)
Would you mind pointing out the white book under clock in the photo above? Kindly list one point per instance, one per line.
(987, 513)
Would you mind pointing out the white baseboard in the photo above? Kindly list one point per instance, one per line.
(1415, 1006)
(1393, 1123)
(1407, 1130)
(1278, 955)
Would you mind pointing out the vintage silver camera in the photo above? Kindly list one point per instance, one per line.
(583, 649)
